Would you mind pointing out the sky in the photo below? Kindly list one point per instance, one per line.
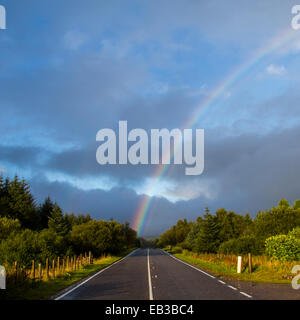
(70, 68)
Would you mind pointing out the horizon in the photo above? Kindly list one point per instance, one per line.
(70, 69)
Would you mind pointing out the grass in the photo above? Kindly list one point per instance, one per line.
(45, 289)
(263, 269)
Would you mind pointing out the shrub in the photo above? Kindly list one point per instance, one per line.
(243, 245)
(283, 248)
(295, 233)
(22, 247)
(176, 250)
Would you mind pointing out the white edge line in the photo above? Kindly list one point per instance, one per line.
(241, 292)
(245, 294)
(93, 276)
(149, 277)
(209, 275)
(231, 287)
(222, 282)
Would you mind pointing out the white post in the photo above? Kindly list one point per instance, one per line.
(2, 278)
(239, 264)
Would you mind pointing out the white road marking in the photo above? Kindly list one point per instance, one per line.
(245, 294)
(209, 275)
(241, 292)
(149, 278)
(231, 287)
(93, 276)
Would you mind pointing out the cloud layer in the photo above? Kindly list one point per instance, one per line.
(71, 68)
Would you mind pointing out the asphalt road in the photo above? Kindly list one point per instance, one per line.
(152, 274)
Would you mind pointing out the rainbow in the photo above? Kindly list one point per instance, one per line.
(142, 212)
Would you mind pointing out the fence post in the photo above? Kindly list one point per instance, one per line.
(16, 271)
(58, 266)
(40, 272)
(90, 257)
(71, 263)
(47, 268)
(63, 266)
(250, 262)
(68, 263)
(239, 264)
(33, 270)
(53, 268)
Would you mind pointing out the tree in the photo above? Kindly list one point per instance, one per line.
(296, 204)
(8, 227)
(57, 223)
(44, 212)
(21, 204)
(276, 221)
(94, 236)
(208, 236)
(130, 236)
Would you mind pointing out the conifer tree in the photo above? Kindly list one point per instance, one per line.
(57, 222)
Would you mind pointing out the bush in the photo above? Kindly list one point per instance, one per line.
(283, 248)
(242, 245)
(176, 250)
(8, 227)
(22, 247)
(295, 233)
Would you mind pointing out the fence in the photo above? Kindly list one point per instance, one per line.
(53, 268)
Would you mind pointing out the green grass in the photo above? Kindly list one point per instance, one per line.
(45, 289)
(264, 270)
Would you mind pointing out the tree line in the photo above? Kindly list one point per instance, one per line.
(31, 231)
(230, 233)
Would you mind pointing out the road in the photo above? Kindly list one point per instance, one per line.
(152, 274)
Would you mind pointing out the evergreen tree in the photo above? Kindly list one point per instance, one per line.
(45, 211)
(21, 204)
(57, 222)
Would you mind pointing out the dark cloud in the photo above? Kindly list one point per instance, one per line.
(70, 68)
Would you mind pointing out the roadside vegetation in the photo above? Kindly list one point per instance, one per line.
(35, 234)
(48, 287)
(214, 241)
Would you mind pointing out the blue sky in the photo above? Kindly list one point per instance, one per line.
(69, 68)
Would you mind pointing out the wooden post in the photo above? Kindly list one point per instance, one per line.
(33, 270)
(21, 270)
(58, 265)
(16, 271)
(68, 262)
(47, 268)
(90, 254)
(63, 266)
(53, 268)
(239, 264)
(72, 264)
(75, 262)
(40, 272)
(250, 262)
